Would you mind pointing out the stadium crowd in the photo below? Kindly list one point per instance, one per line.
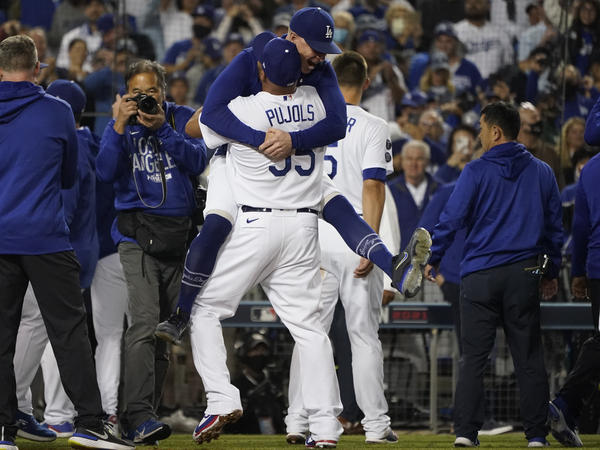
(432, 66)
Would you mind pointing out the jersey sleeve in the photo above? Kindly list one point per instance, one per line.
(333, 127)
(377, 159)
(231, 83)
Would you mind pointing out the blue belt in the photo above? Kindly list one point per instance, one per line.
(246, 208)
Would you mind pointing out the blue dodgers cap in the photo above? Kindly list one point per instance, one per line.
(259, 42)
(315, 26)
(70, 92)
(212, 48)
(206, 11)
(446, 28)
(281, 62)
(370, 36)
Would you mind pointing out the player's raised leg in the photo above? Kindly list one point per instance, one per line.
(220, 213)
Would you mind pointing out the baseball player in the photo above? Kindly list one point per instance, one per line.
(363, 153)
(311, 29)
(275, 230)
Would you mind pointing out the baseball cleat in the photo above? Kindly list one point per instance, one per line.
(211, 425)
(295, 438)
(172, 329)
(408, 266)
(538, 442)
(388, 438)
(465, 442)
(103, 438)
(29, 428)
(560, 429)
(149, 432)
(320, 443)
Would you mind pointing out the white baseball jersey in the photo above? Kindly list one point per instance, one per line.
(489, 47)
(259, 182)
(365, 152)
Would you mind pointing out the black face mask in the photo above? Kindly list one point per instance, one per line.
(536, 128)
(256, 363)
(200, 31)
(571, 89)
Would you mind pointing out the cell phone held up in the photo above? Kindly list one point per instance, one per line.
(145, 103)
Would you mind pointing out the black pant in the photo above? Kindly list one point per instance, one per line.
(509, 296)
(451, 292)
(55, 281)
(584, 378)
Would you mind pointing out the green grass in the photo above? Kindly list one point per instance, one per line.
(421, 439)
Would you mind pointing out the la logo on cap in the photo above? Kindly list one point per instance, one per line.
(328, 32)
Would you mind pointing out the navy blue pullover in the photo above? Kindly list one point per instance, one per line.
(240, 78)
(510, 204)
(38, 158)
(130, 158)
(586, 222)
(592, 126)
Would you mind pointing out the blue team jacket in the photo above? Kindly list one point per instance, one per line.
(38, 158)
(586, 222)
(130, 158)
(510, 204)
(240, 78)
(592, 126)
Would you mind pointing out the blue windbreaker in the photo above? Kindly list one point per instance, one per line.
(510, 204)
(38, 157)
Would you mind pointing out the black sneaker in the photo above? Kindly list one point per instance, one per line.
(409, 265)
(104, 438)
(7, 437)
(172, 329)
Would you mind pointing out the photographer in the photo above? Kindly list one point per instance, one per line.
(149, 158)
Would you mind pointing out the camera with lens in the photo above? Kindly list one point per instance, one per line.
(466, 101)
(145, 103)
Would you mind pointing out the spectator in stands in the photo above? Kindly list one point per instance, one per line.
(436, 82)
(464, 74)
(239, 18)
(177, 89)
(584, 34)
(431, 126)
(576, 103)
(387, 82)
(461, 146)
(176, 21)
(88, 32)
(582, 382)
(281, 23)
(487, 45)
(540, 31)
(530, 135)
(509, 225)
(232, 46)
(104, 83)
(210, 57)
(182, 55)
(48, 75)
(119, 31)
(404, 27)
(77, 55)
(571, 140)
(343, 33)
(413, 188)
(69, 14)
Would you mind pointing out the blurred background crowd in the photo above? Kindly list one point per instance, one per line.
(433, 65)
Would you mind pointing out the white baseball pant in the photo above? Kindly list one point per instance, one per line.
(109, 306)
(361, 298)
(280, 251)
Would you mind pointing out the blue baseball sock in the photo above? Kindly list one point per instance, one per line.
(200, 259)
(356, 233)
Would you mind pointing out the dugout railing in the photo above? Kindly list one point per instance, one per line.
(434, 320)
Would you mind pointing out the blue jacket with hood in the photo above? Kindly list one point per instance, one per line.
(586, 223)
(38, 158)
(510, 204)
(129, 161)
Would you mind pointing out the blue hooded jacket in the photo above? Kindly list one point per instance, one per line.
(129, 161)
(586, 223)
(38, 158)
(509, 202)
